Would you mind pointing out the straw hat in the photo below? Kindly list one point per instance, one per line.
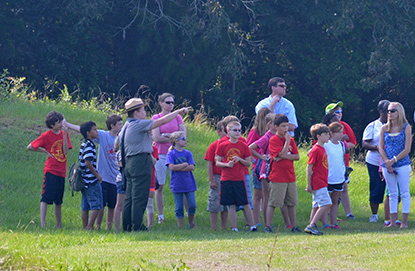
(133, 104)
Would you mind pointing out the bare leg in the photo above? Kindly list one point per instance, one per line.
(191, 219)
(232, 216)
(319, 213)
(150, 210)
(285, 215)
(94, 215)
(387, 208)
(213, 220)
(265, 198)
(180, 222)
(404, 223)
(346, 200)
(270, 216)
(374, 207)
(223, 220)
(118, 210)
(248, 215)
(99, 218)
(43, 212)
(292, 215)
(85, 218)
(394, 217)
(257, 205)
(334, 207)
(58, 216)
(110, 218)
(160, 200)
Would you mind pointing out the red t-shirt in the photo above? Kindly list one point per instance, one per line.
(53, 143)
(347, 130)
(227, 150)
(210, 156)
(240, 139)
(318, 158)
(155, 154)
(283, 170)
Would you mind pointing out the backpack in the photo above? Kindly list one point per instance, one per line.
(76, 182)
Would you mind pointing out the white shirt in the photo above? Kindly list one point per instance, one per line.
(372, 132)
(335, 159)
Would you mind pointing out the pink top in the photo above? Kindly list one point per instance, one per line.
(252, 137)
(170, 127)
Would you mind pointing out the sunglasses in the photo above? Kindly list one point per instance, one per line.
(392, 110)
(338, 111)
(182, 138)
(169, 102)
(282, 85)
(236, 130)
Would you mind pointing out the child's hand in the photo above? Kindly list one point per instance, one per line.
(231, 163)
(309, 189)
(287, 136)
(99, 177)
(237, 159)
(213, 185)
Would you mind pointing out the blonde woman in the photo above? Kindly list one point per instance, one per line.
(394, 146)
(162, 143)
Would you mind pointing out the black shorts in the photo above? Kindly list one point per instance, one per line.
(109, 194)
(233, 193)
(335, 187)
(53, 188)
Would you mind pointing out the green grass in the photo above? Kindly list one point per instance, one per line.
(24, 245)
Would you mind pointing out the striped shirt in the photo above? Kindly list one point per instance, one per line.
(88, 152)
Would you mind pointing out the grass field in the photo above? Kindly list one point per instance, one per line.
(359, 245)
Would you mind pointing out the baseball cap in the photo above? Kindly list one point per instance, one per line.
(332, 106)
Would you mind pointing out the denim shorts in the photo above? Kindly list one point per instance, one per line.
(92, 197)
(257, 184)
(119, 188)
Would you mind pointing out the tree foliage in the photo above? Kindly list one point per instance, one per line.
(218, 53)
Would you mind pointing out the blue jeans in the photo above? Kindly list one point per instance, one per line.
(178, 201)
(248, 189)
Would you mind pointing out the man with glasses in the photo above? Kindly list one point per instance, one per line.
(278, 104)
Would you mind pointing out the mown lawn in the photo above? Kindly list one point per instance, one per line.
(359, 245)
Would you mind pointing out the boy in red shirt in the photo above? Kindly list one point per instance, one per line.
(317, 177)
(283, 189)
(214, 174)
(233, 156)
(55, 143)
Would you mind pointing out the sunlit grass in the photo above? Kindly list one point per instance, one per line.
(24, 245)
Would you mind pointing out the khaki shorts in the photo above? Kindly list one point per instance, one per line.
(282, 194)
(214, 198)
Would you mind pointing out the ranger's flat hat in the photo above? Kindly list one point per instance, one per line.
(133, 104)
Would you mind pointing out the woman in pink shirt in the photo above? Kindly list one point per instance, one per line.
(162, 143)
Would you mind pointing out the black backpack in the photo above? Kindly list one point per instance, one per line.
(76, 182)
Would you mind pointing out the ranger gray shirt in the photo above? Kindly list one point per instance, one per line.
(137, 138)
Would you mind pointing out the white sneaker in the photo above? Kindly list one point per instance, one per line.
(373, 218)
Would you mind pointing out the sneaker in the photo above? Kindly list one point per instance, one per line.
(288, 226)
(295, 230)
(235, 229)
(247, 227)
(386, 223)
(313, 229)
(327, 226)
(268, 230)
(335, 227)
(373, 218)
(350, 216)
(161, 219)
(253, 228)
(398, 222)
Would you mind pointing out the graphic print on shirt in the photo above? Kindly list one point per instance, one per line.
(57, 151)
(324, 161)
(232, 153)
(180, 160)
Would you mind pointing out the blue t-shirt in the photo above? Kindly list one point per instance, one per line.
(394, 145)
(181, 181)
(107, 162)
